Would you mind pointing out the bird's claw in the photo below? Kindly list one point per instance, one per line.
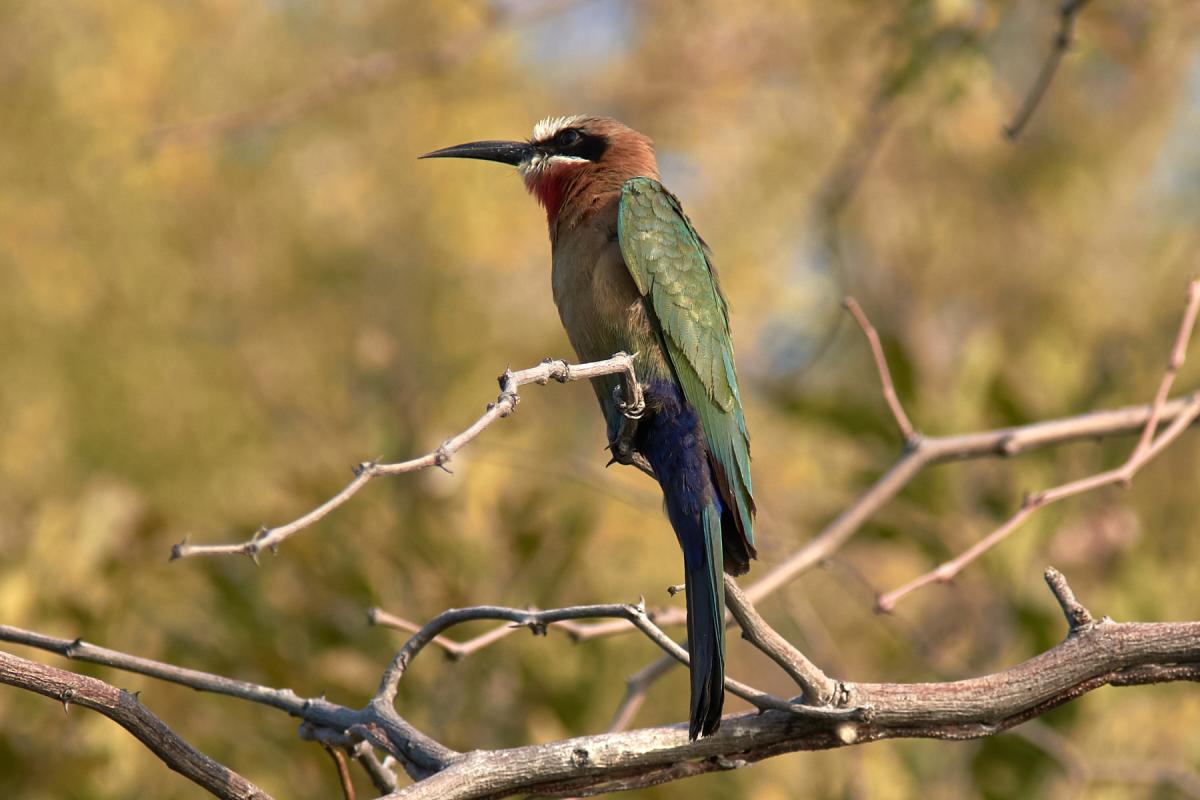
(634, 407)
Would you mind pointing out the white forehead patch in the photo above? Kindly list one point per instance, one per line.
(547, 128)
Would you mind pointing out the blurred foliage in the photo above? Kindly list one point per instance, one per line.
(224, 279)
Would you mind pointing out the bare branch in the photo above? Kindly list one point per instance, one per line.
(124, 709)
(381, 773)
(538, 621)
(1105, 653)
(454, 650)
(635, 692)
(343, 771)
(1143, 452)
(928, 451)
(420, 754)
(818, 688)
(506, 403)
(1174, 364)
(1067, 12)
(885, 375)
(1096, 654)
(1077, 615)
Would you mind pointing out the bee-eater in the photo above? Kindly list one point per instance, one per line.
(631, 274)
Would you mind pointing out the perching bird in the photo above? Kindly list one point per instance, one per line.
(631, 274)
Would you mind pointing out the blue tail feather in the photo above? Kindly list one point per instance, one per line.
(672, 441)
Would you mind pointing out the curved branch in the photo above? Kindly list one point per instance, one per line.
(537, 621)
(124, 709)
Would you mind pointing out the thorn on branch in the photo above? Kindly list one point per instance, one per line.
(363, 467)
(1078, 617)
(66, 697)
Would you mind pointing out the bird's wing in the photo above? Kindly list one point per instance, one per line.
(670, 265)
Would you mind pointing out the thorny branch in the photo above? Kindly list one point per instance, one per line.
(1093, 655)
(1067, 12)
(506, 403)
(126, 710)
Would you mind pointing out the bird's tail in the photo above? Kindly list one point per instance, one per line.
(702, 557)
(671, 440)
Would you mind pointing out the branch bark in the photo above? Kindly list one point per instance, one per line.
(124, 709)
(1105, 653)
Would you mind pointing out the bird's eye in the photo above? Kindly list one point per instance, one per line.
(569, 138)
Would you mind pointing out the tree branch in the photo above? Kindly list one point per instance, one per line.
(124, 709)
(1143, 452)
(819, 689)
(538, 621)
(907, 432)
(1067, 12)
(1104, 653)
(506, 403)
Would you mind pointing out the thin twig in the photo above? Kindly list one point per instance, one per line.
(381, 773)
(454, 650)
(1174, 364)
(818, 688)
(635, 692)
(506, 403)
(885, 374)
(1143, 452)
(1062, 41)
(928, 451)
(343, 771)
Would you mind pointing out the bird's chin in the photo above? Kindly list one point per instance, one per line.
(541, 164)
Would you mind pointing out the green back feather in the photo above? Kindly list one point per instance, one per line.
(670, 265)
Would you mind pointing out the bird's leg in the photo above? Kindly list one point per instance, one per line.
(633, 407)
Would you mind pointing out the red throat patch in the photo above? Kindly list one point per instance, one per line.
(550, 185)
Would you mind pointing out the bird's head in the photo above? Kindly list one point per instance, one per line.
(568, 158)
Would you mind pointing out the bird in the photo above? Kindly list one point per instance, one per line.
(630, 274)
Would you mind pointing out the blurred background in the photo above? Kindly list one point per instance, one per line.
(225, 279)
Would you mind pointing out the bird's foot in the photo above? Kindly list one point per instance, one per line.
(622, 448)
(630, 400)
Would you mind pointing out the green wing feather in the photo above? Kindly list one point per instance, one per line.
(669, 263)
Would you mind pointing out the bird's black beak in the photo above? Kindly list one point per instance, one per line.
(504, 152)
